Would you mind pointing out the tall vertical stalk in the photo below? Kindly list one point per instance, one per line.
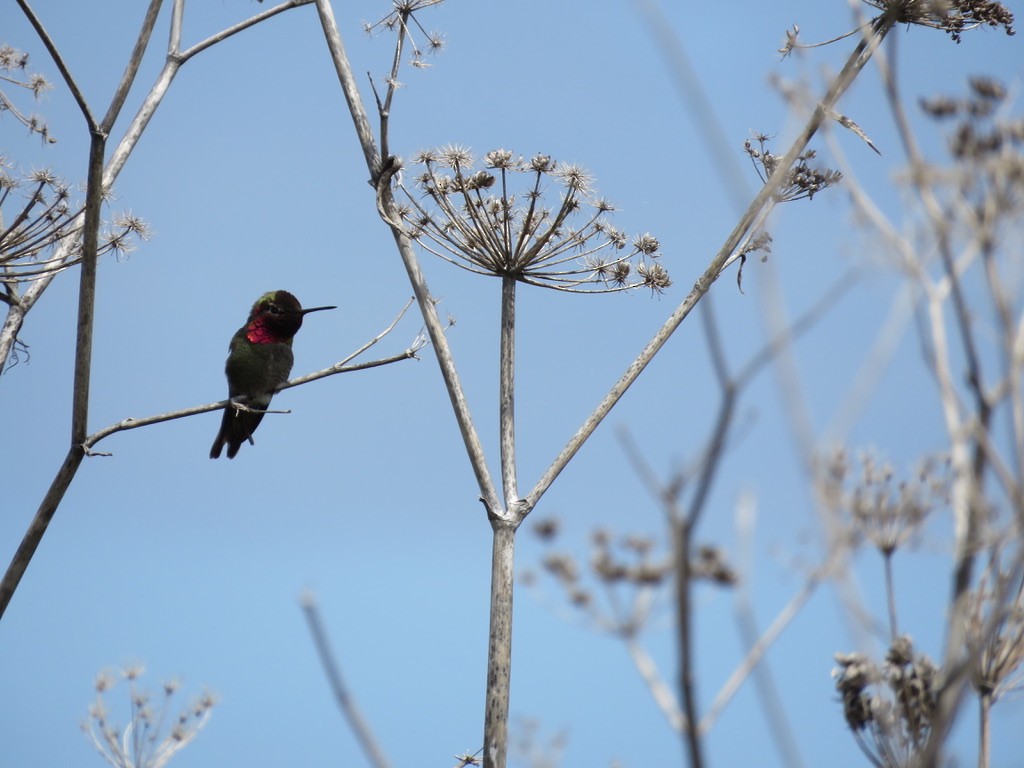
(984, 711)
(499, 646)
(506, 385)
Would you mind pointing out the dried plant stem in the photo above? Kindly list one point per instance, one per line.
(970, 450)
(503, 521)
(663, 695)
(984, 735)
(17, 310)
(506, 405)
(506, 517)
(499, 645)
(87, 291)
(381, 175)
(58, 61)
(44, 514)
(890, 594)
(58, 487)
(854, 64)
(360, 727)
(757, 650)
(684, 619)
(349, 87)
(100, 179)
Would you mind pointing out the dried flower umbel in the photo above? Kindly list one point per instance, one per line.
(889, 709)
(402, 19)
(951, 16)
(14, 72)
(627, 570)
(979, 134)
(995, 633)
(882, 507)
(803, 181)
(500, 220)
(36, 215)
(143, 744)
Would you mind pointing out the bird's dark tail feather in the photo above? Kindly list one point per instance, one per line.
(235, 428)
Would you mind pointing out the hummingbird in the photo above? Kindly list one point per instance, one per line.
(259, 361)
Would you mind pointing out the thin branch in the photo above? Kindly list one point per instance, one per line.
(134, 62)
(360, 727)
(130, 423)
(80, 449)
(349, 87)
(239, 27)
(758, 649)
(771, 703)
(382, 175)
(662, 694)
(36, 529)
(17, 312)
(339, 367)
(62, 67)
(857, 60)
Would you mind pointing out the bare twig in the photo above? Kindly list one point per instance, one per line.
(360, 727)
(62, 67)
(44, 514)
(860, 56)
(17, 311)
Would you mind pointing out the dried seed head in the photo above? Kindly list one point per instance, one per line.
(517, 230)
(501, 159)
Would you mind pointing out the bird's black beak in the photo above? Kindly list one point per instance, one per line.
(314, 309)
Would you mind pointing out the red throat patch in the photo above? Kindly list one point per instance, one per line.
(258, 333)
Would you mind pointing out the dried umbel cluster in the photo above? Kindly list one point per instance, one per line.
(625, 561)
(978, 133)
(802, 181)
(37, 215)
(951, 16)
(14, 74)
(889, 708)
(882, 507)
(402, 20)
(143, 743)
(533, 220)
(995, 632)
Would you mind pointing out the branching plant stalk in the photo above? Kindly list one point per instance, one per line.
(970, 453)
(854, 64)
(506, 517)
(44, 514)
(99, 179)
(381, 175)
(18, 310)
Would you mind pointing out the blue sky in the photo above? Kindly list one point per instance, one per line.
(251, 179)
